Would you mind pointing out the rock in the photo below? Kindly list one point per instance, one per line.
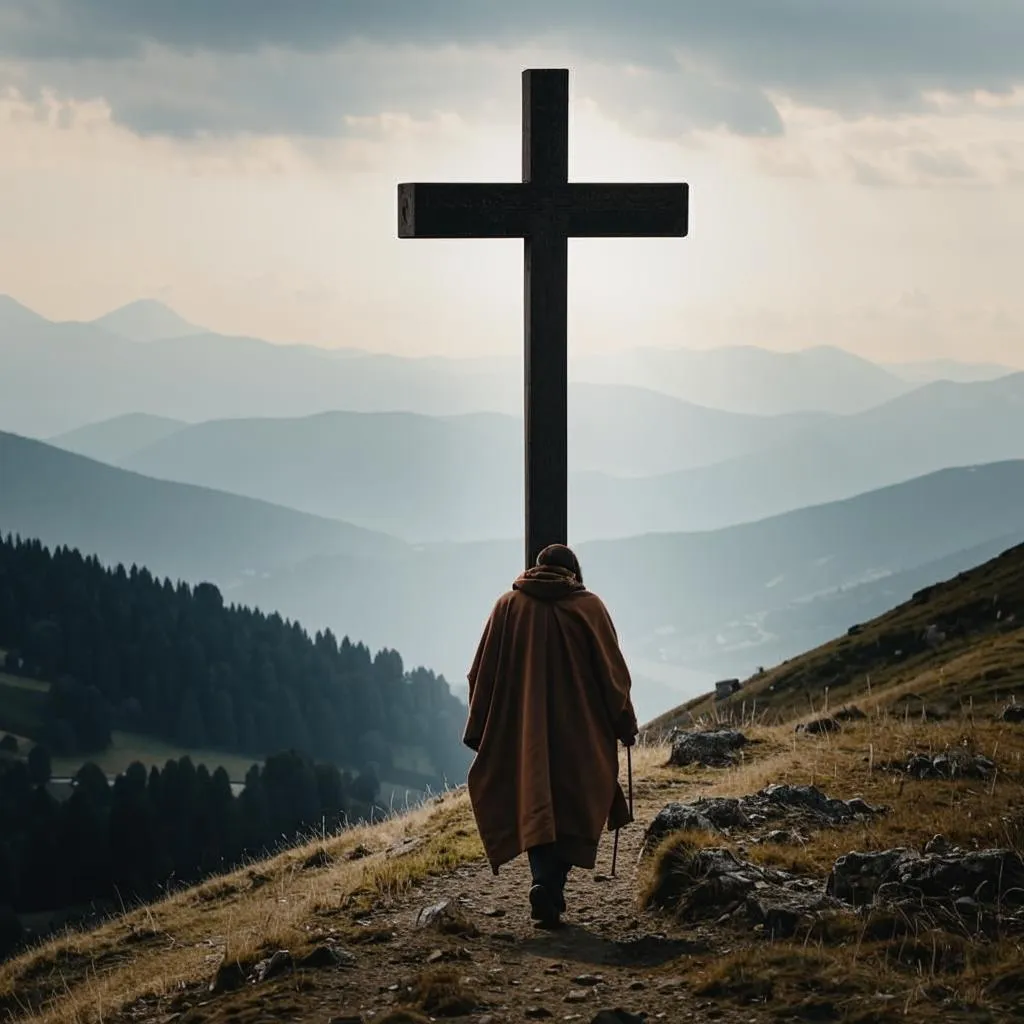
(705, 814)
(1013, 713)
(273, 966)
(953, 764)
(939, 845)
(988, 877)
(850, 713)
(230, 976)
(588, 979)
(778, 920)
(577, 995)
(817, 726)
(448, 919)
(814, 801)
(320, 859)
(537, 1013)
(713, 884)
(799, 805)
(618, 1017)
(348, 1018)
(326, 956)
(855, 877)
(707, 749)
(359, 852)
(494, 912)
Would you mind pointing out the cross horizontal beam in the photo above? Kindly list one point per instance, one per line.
(575, 210)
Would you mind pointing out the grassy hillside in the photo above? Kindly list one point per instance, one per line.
(666, 935)
(956, 642)
(347, 909)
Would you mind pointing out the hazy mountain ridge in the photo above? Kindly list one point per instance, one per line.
(694, 601)
(177, 530)
(114, 440)
(459, 478)
(62, 376)
(146, 320)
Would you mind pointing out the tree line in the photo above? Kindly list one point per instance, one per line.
(129, 841)
(125, 650)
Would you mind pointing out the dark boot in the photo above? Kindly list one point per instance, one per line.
(547, 895)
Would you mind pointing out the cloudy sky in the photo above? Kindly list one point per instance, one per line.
(856, 167)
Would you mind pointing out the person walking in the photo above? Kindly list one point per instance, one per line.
(549, 697)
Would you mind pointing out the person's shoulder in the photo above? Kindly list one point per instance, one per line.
(504, 600)
(586, 602)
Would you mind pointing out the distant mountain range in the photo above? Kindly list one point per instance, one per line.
(145, 358)
(192, 533)
(687, 604)
(146, 320)
(460, 478)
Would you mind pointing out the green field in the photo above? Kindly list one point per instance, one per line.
(22, 704)
(126, 748)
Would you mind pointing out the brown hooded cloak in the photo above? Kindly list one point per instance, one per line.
(549, 696)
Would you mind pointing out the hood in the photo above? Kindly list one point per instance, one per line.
(548, 583)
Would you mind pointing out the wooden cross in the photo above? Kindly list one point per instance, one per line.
(544, 210)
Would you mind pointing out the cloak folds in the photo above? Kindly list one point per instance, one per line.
(549, 697)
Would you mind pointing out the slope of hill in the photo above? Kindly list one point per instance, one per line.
(174, 529)
(937, 426)
(668, 938)
(114, 440)
(955, 642)
(129, 651)
(719, 602)
(146, 320)
(927, 370)
(752, 380)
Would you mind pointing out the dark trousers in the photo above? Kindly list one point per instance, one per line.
(549, 870)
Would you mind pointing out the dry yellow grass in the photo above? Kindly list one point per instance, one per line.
(882, 967)
(277, 904)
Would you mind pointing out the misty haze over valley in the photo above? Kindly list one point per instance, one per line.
(734, 506)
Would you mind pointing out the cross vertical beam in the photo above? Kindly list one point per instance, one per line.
(545, 317)
(544, 210)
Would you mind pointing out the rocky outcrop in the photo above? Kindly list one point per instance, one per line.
(965, 888)
(953, 764)
(796, 806)
(707, 749)
(715, 885)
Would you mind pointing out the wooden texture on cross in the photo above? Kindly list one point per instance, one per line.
(545, 210)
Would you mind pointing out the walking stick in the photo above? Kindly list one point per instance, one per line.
(629, 771)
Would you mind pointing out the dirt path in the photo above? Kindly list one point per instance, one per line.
(607, 955)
